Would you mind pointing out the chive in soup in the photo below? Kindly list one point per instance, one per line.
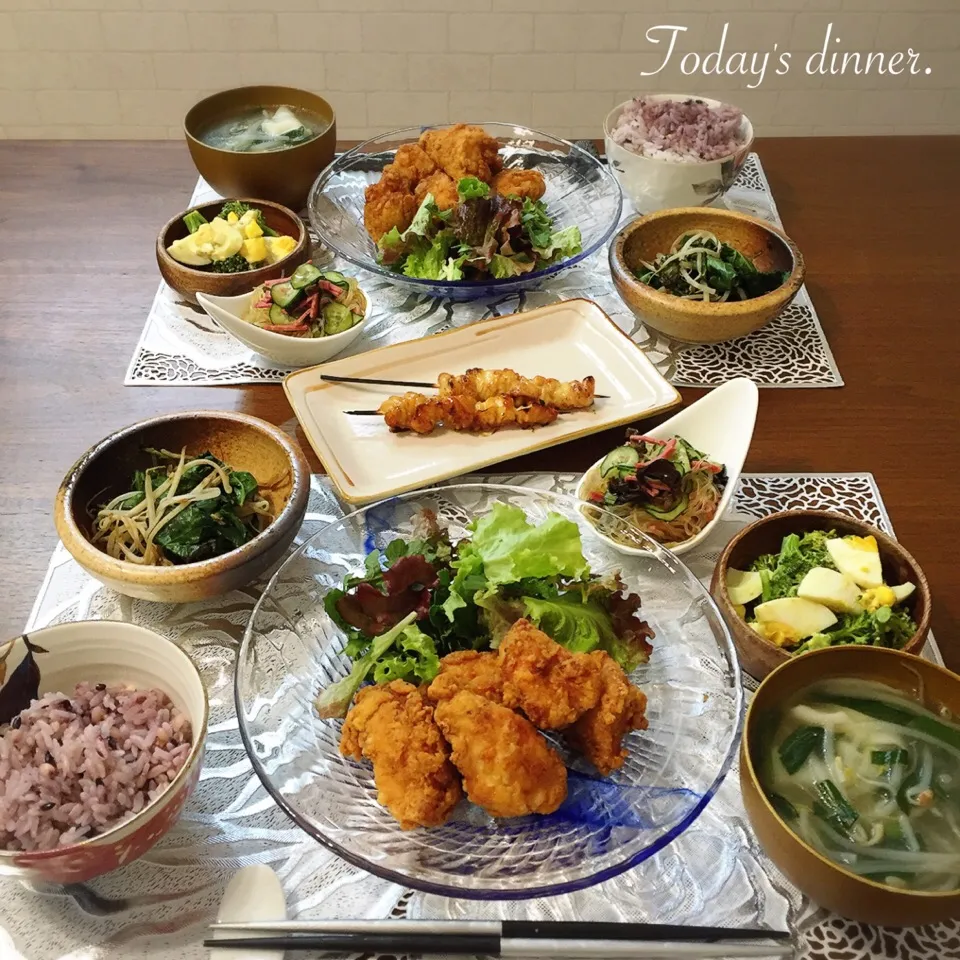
(869, 777)
(265, 129)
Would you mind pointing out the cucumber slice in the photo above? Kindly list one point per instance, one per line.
(667, 514)
(304, 276)
(285, 294)
(337, 319)
(620, 457)
(337, 278)
(681, 457)
(279, 316)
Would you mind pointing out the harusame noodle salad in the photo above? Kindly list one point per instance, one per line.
(870, 778)
(666, 488)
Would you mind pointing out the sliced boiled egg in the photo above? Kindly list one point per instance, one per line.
(804, 617)
(834, 590)
(858, 558)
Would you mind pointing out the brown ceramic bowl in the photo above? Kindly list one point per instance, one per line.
(694, 321)
(243, 442)
(759, 656)
(189, 281)
(284, 176)
(821, 879)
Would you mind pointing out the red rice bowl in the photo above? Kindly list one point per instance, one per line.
(73, 767)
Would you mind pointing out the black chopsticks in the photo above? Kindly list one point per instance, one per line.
(508, 938)
(419, 385)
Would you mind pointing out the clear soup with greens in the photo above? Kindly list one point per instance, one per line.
(870, 778)
(265, 129)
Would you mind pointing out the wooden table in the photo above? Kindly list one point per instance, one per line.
(872, 217)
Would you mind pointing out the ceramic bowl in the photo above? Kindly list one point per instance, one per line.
(651, 184)
(189, 281)
(109, 651)
(242, 441)
(759, 656)
(288, 351)
(826, 883)
(284, 176)
(693, 321)
(721, 425)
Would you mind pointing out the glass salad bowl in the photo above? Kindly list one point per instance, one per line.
(292, 649)
(581, 192)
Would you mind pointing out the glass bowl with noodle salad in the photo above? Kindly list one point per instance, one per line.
(297, 647)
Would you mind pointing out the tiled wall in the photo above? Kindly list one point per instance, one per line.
(131, 68)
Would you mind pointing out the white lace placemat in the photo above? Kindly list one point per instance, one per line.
(180, 344)
(158, 907)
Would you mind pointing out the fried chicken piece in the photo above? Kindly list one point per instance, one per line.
(422, 414)
(463, 150)
(388, 203)
(443, 188)
(412, 162)
(508, 768)
(478, 672)
(598, 734)
(393, 726)
(519, 183)
(552, 686)
(483, 384)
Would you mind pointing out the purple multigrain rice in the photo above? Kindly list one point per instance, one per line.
(678, 130)
(76, 766)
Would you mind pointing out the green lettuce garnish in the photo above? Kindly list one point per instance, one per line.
(335, 700)
(513, 549)
(562, 244)
(501, 266)
(470, 188)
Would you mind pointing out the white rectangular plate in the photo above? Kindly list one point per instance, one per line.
(567, 340)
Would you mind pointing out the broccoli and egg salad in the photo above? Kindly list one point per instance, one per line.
(822, 590)
(236, 240)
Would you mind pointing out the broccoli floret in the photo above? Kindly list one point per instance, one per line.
(240, 208)
(194, 220)
(234, 206)
(235, 264)
(781, 573)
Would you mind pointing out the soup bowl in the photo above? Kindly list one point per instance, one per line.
(284, 176)
(112, 652)
(826, 882)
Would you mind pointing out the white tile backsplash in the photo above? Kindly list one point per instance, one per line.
(131, 68)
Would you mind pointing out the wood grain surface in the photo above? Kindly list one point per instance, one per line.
(78, 222)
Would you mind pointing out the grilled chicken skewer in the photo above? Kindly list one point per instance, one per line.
(423, 414)
(486, 384)
(574, 394)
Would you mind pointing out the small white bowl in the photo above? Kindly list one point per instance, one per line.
(721, 426)
(111, 651)
(288, 351)
(653, 184)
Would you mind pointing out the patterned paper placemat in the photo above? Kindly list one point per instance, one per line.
(180, 344)
(158, 907)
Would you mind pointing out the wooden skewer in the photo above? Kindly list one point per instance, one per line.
(330, 378)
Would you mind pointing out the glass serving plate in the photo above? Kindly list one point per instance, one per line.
(581, 192)
(291, 649)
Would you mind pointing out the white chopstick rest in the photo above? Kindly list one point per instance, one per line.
(254, 895)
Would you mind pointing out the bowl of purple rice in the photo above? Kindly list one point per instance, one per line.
(669, 150)
(102, 725)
